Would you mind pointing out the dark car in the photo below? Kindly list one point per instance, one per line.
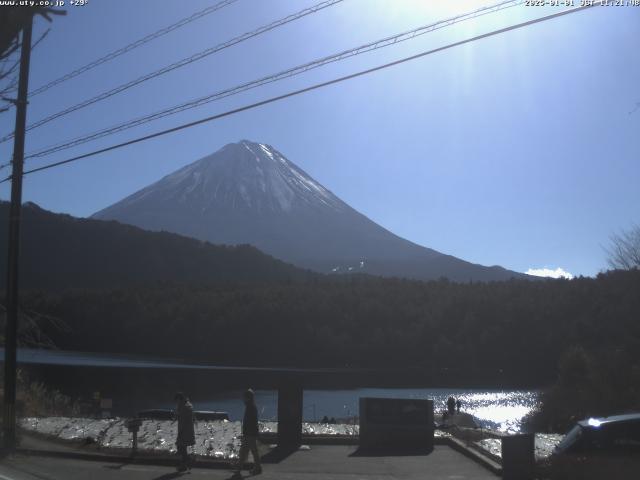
(602, 448)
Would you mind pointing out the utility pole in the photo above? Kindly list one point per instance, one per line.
(10, 342)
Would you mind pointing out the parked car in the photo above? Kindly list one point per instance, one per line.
(599, 448)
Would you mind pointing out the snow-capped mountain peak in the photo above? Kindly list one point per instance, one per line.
(244, 175)
(249, 192)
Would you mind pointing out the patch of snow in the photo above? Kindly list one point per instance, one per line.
(266, 150)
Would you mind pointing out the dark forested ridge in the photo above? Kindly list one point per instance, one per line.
(105, 287)
(516, 326)
(61, 251)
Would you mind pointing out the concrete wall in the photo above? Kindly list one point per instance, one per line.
(399, 424)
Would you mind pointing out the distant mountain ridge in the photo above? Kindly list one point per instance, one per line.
(60, 251)
(249, 193)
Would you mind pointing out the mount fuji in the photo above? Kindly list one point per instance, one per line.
(249, 193)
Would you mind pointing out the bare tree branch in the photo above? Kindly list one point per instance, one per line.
(624, 249)
(12, 84)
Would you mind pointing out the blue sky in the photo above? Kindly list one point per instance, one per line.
(518, 150)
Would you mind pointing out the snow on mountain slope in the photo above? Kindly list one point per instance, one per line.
(244, 175)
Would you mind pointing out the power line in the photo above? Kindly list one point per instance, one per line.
(385, 42)
(181, 63)
(6, 73)
(305, 90)
(127, 48)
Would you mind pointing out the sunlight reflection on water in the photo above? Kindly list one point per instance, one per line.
(502, 411)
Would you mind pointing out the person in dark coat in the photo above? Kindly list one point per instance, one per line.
(249, 434)
(458, 405)
(186, 434)
(451, 405)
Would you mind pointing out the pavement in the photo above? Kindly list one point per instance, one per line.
(320, 462)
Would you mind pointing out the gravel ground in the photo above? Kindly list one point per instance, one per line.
(218, 439)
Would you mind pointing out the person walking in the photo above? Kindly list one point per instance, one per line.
(249, 434)
(186, 434)
(451, 405)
